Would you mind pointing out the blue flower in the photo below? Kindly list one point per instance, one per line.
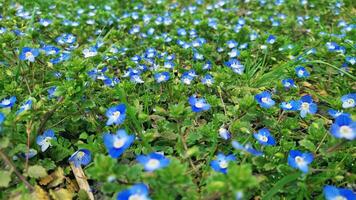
(30, 154)
(116, 144)
(335, 193)
(2, 118)
(25, 107)
(344, 127)
(45, 140)
(207, 65)
(302, 72)
(264, 137)
(162, 77)
(45, 22)
(66, 38)
(29, 54)
(231, 44)
(247, 148)
(335, 113)
(349, 100)
(264, 99)
(300, 160)
(51, 92)
(307, 106)
(236, 66)
(50, 50)
(224, 133)
(271, 39)
(198, 104)
(291, 105)
(90, 52)
(186, 78)
(116, 114)
(138, 191)
(288, 83)
(153, 161)
(80, 157)
(6, 103)
(222, 162)
(351, 60)
(207, 80)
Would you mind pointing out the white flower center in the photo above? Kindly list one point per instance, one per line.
(223, 164)
(339, 198)
(350, 102)
(28, 55)
(305, 106)
(345, 131)
(152, 163)
(6, 102)
(161, 78)
(289, 106)
(137, 197)
(299, 160)
(116, 114)
(263, 138)
(265, 100)
(119, 142)
(199, 104)
(187, 81)
(80, 154)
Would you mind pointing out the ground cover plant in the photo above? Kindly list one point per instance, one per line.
(158, 99)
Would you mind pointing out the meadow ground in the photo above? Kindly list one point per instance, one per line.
(159, 99)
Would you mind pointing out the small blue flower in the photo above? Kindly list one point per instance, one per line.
(264, 99)
(153, 161)
(271, 39)
(2, 118)
(307, 106)
(222, 162)
(162, 77)
(198, 104)
(25, 107)
(50, 50)
(207, 65)
(247, 148)
(264, 137)
(300, 160)
(351, 60)
(232, 44)
(336, 113)
(335, 193)
(349, 100)
(45, 140)
(236, 66)
(288, 83)
(224, 133)
(291, 105)
(80, 157)
(66, 38)
(51, 92)
(29, 54)
(207, 80)
(8, 103)
(116, 144)
(45, 22)
(90, 52)
(302, 72)
(138, 191)
(344, 127)
(30, 154)
(116, 114)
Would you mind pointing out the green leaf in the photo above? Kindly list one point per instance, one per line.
(5, 178)
(280, 184)
(37, 171)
